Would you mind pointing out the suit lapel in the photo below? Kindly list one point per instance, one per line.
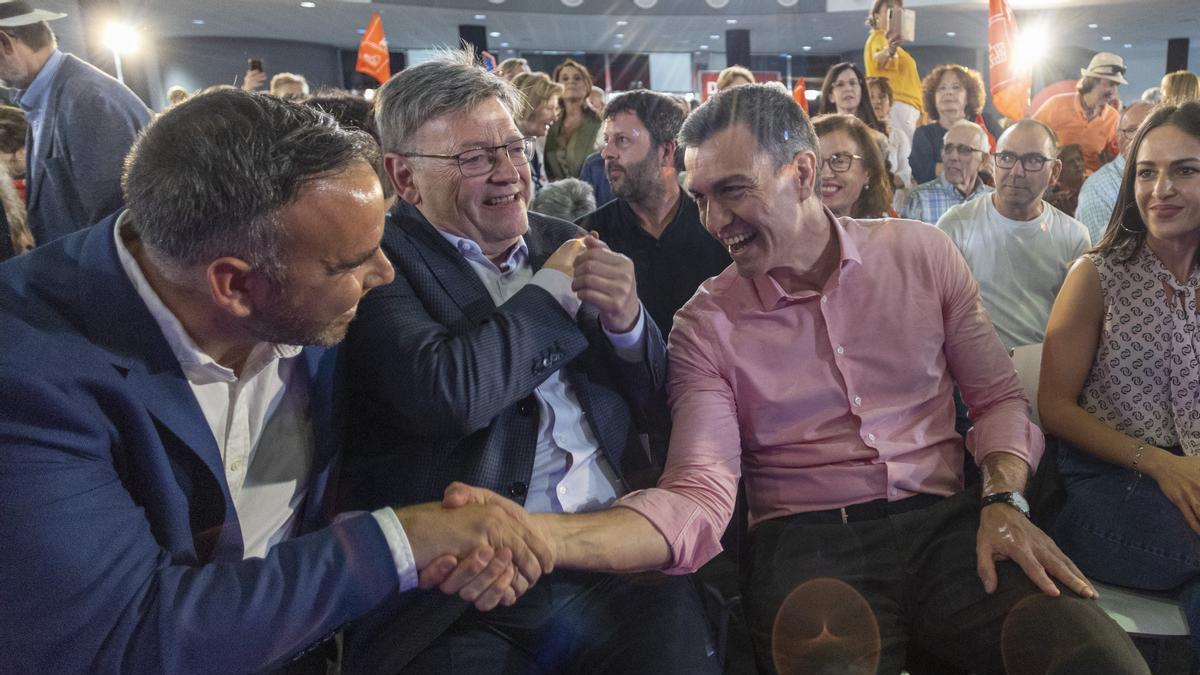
(116, 319)
(446, 264)
(326, 394)
(49, 132)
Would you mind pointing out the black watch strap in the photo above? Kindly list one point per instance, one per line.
(1013, 499)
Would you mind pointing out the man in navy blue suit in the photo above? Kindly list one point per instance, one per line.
(82, 123)
(169, 422)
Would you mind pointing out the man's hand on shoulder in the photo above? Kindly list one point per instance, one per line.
(606, 279)
(477, 545)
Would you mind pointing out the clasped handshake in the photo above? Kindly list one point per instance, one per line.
(477, 545)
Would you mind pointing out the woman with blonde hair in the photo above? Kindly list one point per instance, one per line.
(541, 109)
(1180, 87)
(734, 76)
(572, 137)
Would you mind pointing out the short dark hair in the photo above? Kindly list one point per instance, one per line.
(207, 178)
(776, 119)
(659, 113)
(352, 112)
(970, 80)
(1086, 84)
(13, 129)
(35, 35)
(1126, 233)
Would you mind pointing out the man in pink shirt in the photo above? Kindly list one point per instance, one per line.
(820, 369)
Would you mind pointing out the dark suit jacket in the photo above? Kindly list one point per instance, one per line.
(442, 383)
(89, 125)
(121, 549)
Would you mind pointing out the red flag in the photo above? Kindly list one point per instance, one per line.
(373, 52)
(1011, 81)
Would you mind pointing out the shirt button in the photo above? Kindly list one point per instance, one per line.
(236, 466)
(562, 489)
(824, 299)
(870, 437)
(841, 350)
(857, 400)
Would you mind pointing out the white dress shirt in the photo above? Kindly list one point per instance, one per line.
(570, 473)
(260, 421)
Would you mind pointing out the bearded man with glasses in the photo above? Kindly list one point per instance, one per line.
(511, 352)
(1017, 245)
(964, 154)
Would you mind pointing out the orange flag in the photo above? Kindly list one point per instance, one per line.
(373, 52)
(1011, 81)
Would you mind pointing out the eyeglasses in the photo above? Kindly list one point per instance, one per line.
(958, 149)
(840, 162)
(480, 161)
(1033, 162)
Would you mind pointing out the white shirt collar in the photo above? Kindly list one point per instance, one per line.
(198, 366)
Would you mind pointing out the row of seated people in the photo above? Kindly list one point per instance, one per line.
(179, 428)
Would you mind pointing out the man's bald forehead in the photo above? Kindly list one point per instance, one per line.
(1141, 107)
(1026, 128)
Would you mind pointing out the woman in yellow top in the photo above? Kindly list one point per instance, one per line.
(572, 137)
(884, 57)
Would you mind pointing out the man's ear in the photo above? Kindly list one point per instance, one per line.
(236, 287)
(400, 171)
(1055, 171)
(807, 172)
(8, 44)
(666, 154)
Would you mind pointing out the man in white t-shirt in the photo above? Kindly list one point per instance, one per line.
(1017, 245)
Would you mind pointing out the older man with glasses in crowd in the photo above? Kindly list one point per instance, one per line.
(964, 154)
(510, 352)
(1017, 245)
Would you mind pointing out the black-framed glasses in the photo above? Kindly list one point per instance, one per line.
(1032, 162)
(480, 161)
(839, 162)
(959, 149)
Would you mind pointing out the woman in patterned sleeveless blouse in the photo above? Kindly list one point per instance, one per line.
(1120, 379)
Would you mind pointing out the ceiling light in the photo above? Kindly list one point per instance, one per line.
(618, 46)
(198, 22)
(481, 17)
(622, 22)
(619, 35)
(308, 5)
(121, 37)
(950, 33)
(827, 38)
(503, 44)
(496, 2)
(703, 46)
(1106, 38)
(788, 3)
(494, 33)
(361, 31)
(714, 37)
(572, 3)
(645, 4)
(1093, 25)
(1128, 46)
(717, 4)
(806, 48)
(730, 21)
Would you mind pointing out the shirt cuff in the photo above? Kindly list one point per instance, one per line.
(397, 541)
(558, 285)
(631, 344)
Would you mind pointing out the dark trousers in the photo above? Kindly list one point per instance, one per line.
(582, 622)
(914, 564)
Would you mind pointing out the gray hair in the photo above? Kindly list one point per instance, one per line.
(569, 199)
(208, 177)
(449, 83)
(777, 121)
(980, 135)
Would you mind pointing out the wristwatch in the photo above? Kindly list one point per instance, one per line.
(1014, 499)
